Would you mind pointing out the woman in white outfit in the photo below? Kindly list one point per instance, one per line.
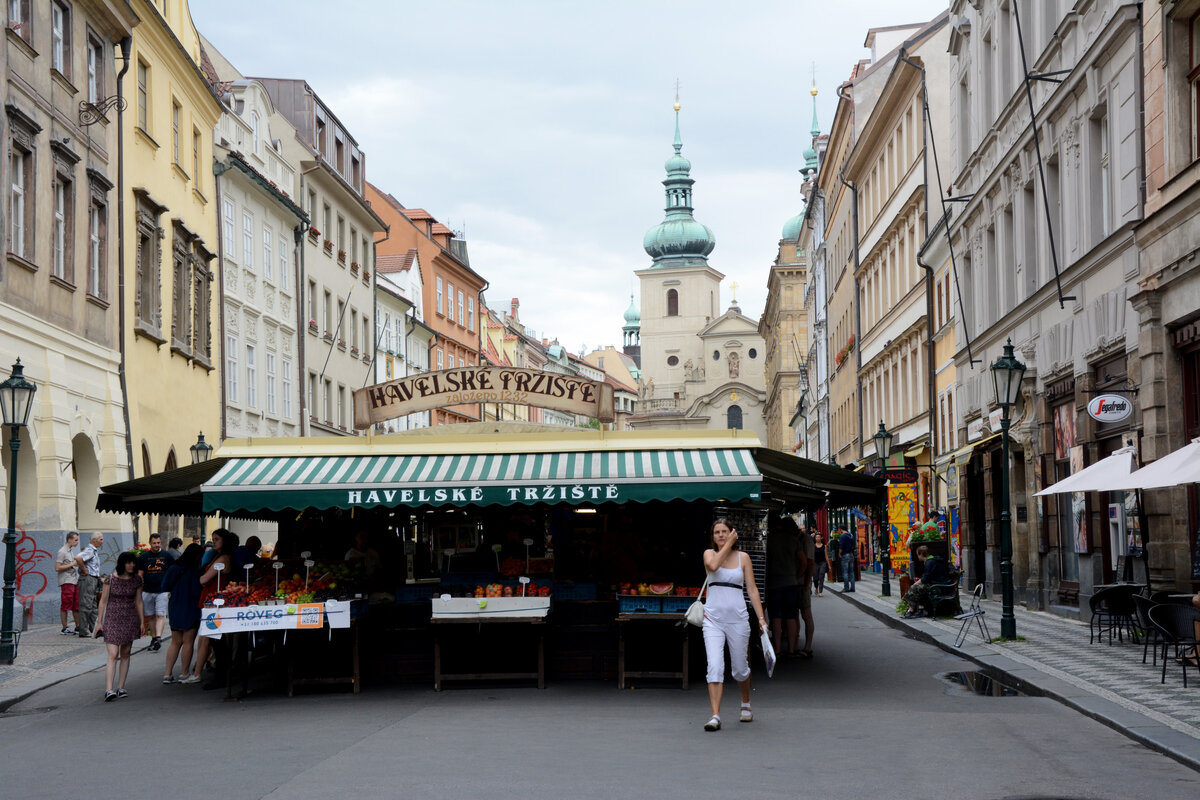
(725, 619)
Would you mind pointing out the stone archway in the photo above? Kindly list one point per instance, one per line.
(27, 480)
(85, 469)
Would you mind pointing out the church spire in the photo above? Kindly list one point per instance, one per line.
(679, 240)
(810, 153)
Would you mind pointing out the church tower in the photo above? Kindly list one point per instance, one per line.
(701, 368)
(680, 292)
(633, 333)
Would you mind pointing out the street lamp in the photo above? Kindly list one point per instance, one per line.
(16, 401)
(1007, 373)
(883, 449)
(201, 451)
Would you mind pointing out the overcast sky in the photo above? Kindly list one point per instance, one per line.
(540, 128)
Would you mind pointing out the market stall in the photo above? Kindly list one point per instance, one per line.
(464, 512)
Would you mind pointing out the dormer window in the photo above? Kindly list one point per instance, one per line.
(254, 130)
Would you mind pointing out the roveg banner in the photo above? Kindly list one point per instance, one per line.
(293, 616)
(402, 396)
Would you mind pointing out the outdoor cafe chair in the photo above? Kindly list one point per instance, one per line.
(1178, 625)
(1112, 610)
(973, 612)
(1150, 631)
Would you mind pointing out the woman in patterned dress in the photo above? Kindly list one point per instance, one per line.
(122, 620)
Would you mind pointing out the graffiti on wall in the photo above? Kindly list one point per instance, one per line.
(31, 581)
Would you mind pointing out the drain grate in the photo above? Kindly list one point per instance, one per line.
(986, 684)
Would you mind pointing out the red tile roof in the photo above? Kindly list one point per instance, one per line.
(415, 213)
(439, 228)
(389, 264)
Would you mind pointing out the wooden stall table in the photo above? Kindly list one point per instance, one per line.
(301, 619)
(645, 616)
(353, 678)
(494, 611)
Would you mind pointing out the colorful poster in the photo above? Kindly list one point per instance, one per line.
(902, 515)
(1079, 528)
(1064, 430)
(955, 537)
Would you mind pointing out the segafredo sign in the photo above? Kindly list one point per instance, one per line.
(1109, 408)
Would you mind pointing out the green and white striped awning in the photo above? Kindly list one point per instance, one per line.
(575, 478)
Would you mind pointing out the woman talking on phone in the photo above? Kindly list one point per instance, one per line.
(725, 619)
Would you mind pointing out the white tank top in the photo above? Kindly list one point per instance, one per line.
(724, 603)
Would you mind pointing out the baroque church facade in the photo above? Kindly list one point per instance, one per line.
(701, 367)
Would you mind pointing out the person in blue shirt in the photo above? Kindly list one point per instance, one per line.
(848, 547)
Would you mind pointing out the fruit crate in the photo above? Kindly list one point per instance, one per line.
(676, 604)
(645, 603)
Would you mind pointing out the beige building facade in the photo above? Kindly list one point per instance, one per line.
(59, 277)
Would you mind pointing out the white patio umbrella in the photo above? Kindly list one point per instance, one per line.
(1112, 474)
(1174, 469)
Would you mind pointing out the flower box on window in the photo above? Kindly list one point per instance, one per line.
(366, 277)
(328, 246)
(341, 256)
(313, 233)
(327, 336)
(353, 267)
(312, 325)
(342, 343)
(354, 352)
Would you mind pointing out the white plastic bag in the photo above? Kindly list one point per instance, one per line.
(768, 653)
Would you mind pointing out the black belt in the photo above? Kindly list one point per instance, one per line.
(724, 583)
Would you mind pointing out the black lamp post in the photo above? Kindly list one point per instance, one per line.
(883, 449)
(201, 451)
(1007, 373)
(16, 401)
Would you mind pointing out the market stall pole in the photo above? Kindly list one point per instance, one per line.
(530, 611)
(624, 620)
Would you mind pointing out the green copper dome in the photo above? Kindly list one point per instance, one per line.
(633, 317)
(791, 228)
(679, 240)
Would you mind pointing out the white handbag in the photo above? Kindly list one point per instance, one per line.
(695, 613)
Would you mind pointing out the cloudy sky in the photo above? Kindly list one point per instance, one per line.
(539, 128)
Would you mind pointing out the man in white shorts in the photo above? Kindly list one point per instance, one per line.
(152, 566)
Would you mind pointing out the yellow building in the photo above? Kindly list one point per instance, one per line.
(840, 258)
(171, 324)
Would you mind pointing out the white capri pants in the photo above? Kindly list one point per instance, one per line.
(735, 633)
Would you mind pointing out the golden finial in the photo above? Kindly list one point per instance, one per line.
(677, 94)
(813, 91)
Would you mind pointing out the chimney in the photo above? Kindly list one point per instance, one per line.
(516, 303)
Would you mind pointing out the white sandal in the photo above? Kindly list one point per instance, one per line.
(746, 715)
(714, 724)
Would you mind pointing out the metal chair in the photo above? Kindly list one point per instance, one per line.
(1112, 611)
(1150, 631)
(973, 612)
(1180, 627)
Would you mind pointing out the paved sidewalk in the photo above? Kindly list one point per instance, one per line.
(1107, 682)
(46, 657)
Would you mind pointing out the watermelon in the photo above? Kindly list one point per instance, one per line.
(661, 588)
